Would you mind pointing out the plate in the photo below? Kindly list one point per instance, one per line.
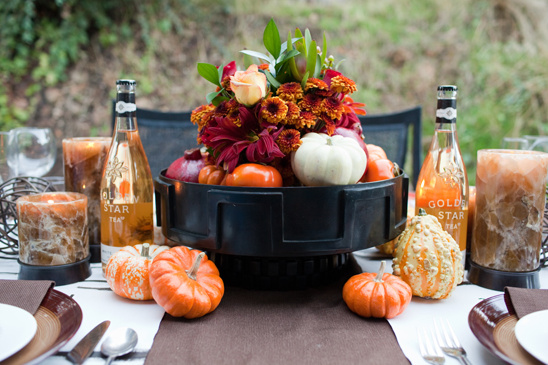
(58, 318)
(17, 329)
(531, 332)
(493, 326)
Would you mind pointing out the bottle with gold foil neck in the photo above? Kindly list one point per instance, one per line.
(126, 186)
(442, 186)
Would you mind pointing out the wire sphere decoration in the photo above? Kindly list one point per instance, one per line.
(10, 191)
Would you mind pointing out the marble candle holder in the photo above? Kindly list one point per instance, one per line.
(84, 158)
(510, 198)
(53, 237)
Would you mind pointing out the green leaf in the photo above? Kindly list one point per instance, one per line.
(209, 72)
(300, 44)
(290, 41)
(284, 57)
(272, 79)
(211, 96)
(307, 36)
(311, 58)
(292, 65)
(324, 50)
(271, 39)
(318, 70)
(259, 55)
(283, 74)
(305, 79)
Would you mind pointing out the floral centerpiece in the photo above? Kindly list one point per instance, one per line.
(260, 115)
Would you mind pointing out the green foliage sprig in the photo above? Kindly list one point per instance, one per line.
(294, 60)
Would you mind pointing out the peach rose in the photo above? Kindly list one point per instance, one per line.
(248, 86)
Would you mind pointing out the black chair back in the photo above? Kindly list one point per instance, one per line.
(391, 132)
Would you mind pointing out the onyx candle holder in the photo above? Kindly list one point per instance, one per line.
(53, 237)
(83, 159)
(507, 234)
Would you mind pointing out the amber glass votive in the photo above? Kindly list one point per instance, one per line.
(52, 228)
(510, 198)
(84, 159)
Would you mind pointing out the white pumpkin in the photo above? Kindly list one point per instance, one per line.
(328, 160)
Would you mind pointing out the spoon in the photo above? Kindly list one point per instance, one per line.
(121, 341)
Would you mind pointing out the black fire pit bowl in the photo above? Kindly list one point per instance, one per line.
(281, 238)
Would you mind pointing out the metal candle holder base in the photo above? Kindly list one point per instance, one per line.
(61, 274)
(497, 280)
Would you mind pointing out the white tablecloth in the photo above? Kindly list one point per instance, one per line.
(144, 317)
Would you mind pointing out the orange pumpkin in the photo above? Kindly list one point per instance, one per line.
(380, 169)
(375, 153)
(377, 295)
(127, 271)
(211, 175)
(185, 283)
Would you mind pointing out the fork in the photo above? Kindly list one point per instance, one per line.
(449, 342)
(429, 348)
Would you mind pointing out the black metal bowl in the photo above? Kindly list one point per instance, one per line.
(280, 232)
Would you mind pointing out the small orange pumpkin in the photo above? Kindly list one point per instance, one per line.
(376, 295)
(212, 175)
(127, 271)
(185, 283)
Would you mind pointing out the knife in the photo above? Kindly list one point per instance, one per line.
(85, 347)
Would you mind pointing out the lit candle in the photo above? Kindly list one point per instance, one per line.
(510, 198)
(84, 159)
(52, 228)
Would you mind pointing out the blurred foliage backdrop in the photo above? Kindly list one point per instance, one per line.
(59, 60)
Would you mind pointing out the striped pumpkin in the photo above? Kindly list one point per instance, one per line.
(428, 258)
(127, 271)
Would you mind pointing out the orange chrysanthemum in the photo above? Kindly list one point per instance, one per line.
(329, 124)
(333, 107)
(289, 140)
(306, 119)
(198, 114)
(263, 66)
(312, 103)
(293, 113)
(324, 93)
(342, 84)
(290, 91)
(273, 110)
(313, 83)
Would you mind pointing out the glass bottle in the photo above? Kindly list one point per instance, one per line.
(126, 186)
(442, 186)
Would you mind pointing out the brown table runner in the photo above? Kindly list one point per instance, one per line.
(312, 326)
(25, 294)
(524, 301)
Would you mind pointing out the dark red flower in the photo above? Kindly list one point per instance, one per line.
(230, 69)
(229, 138)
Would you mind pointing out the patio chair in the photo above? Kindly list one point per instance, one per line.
(165, 136)
(391, 131)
